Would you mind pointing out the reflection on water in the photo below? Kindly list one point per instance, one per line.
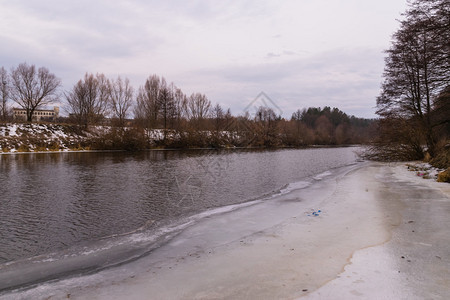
(51, 201)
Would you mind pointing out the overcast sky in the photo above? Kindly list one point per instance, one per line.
(301, 53)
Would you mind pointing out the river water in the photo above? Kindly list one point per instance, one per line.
(68, 213)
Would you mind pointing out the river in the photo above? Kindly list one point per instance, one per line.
(69, 213)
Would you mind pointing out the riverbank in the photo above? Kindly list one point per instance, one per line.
(372, 230)
(52, 137)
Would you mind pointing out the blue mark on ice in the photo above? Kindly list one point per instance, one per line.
(315, 213)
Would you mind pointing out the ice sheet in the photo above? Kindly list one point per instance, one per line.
(415, 263)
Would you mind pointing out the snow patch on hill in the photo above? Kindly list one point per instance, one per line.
(40, 137)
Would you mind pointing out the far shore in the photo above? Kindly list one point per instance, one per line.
(60, 137)
(179, 149)
(374, 231)
(56, 152)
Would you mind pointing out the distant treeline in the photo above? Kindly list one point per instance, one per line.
(163, 116)
(312, 126)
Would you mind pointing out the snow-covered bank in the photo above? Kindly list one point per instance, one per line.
(50, 137)
(279, 248)
(40, 137)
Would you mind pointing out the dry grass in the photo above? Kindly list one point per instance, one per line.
(444, 176)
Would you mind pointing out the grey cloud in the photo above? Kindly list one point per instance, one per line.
(347, 79)
(283, 53)
(362, 64)
(289, 52)
(272, 55)
(95, 27)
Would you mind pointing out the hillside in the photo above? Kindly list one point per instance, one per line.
(42, 137)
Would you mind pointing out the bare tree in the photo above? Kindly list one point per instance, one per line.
(121, 98)
(147, 106)
(31, 88)
(104, 95)
(265, 127)
(198, 106)
(180, 102)
(417, 70)
(88, 99)
(228, 120)
(4, 93)
(218, 117)
(166, 104)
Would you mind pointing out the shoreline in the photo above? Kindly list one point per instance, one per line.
(185, 149)
(278, 249)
